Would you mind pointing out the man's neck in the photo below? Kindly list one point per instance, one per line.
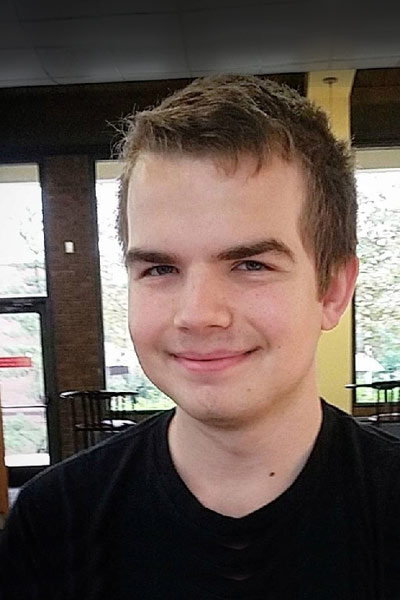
(235, 471)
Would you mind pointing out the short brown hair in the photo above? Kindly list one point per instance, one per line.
(227, 116)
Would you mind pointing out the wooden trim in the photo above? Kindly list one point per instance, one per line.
(43, 121)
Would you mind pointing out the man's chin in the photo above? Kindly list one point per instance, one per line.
(218, 415)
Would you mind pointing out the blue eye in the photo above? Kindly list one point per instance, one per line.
(158, 271)
(252, 265)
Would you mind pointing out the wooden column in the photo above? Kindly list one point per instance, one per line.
(69, 214)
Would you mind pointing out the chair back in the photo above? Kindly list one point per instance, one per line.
(97, 414)
(387, 405)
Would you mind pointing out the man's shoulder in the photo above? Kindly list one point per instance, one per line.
(368, 432)
(367, 446)
(93, 467)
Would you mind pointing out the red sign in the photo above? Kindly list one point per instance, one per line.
(15, 361)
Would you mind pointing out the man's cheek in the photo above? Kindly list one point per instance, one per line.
(145, 323)
(140, 330)
(272, 318)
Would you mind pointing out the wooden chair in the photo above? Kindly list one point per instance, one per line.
(98, 414)
(387, 394)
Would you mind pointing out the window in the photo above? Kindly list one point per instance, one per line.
(22, 308)
(377, 299)
(22, 264)
(123, 371)
(22, 388)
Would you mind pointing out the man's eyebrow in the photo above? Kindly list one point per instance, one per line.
(245, 250)
(271, 245)
(135, 255)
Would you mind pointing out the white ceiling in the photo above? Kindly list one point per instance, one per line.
(48, 42)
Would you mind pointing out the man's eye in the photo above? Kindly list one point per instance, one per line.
(158, 271)
(252, 265)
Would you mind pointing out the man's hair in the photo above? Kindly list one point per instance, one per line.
(228, 116)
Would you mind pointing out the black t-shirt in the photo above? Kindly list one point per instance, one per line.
(116, 522)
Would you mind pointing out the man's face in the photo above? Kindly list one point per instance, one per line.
(223, 305)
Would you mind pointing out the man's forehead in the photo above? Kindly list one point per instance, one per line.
(182, 186)
(152, 165)
(165, 188)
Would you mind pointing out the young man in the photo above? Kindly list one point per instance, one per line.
(237, 219)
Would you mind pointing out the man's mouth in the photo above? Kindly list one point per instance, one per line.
(211, 361)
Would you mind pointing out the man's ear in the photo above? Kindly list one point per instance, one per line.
(339, 293)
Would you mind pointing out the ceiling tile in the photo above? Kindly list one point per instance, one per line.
(64, 32)
(128, 62)
(142, 31)
(12, 35)
(13, 83)
(146, 43)
(8, 11)
(371, 62)
(268, 69)
(99, 40)
(294, 54)
(19, 64)
(51, 9)
(230, 58)
(261, 21)
(189, 5)
(224, 40)
(155, 75)
(77, 62)
(366, 45)
(371, 17)
(99, 78)
(308, 50)
(300, 66)
(118, 7)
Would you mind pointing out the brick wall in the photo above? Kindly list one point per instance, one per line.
(69, 215)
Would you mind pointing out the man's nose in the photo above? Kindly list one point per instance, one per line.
(202, 303)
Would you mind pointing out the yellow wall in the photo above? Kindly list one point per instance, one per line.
(335, 347)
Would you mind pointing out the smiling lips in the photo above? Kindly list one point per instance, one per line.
(214, 361)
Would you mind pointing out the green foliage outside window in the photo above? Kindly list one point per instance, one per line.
(377, 301)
